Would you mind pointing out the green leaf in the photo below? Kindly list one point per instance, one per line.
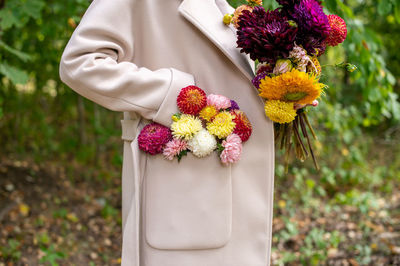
(220, 148)
(17, 13)
(21, 55)
(384, 7)
(181, 154)
(397, 13)
(7, 19)
(33, 8)
(16, 75)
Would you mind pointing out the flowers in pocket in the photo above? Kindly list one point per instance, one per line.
(205, 124)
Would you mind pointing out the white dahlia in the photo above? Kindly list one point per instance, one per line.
(202, 144)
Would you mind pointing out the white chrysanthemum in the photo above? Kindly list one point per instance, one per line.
(202, 144)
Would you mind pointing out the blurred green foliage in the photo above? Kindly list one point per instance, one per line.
(357, 121)
(39, 115)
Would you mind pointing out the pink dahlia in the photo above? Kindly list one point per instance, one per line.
(218, 101)
(191, 100)
(338, 30)
(243, 126)
(232, 149)
(153, 137)
(173, 148)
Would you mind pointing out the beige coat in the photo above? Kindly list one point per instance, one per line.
(134, 56)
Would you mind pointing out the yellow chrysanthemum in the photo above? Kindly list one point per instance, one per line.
(208, 113)
(222, 125)
(186, 127)
(294, 86)
(280, 112)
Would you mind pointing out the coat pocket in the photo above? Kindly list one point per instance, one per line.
(187, 204)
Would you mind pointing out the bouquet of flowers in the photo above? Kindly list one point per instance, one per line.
(205, 124)
(286, 43)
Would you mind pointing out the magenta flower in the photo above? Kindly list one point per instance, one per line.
(218, 101)
(153, 137)
(313, 25)
(289, 4)
(232, 149)
(173, 148)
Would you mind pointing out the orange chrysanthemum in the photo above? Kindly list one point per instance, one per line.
(191, 100)
(315, 67)
(238, 12)
(294, 86)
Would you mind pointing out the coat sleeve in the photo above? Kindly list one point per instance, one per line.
(98, 64)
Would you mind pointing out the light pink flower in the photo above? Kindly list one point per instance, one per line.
(173, 148)
(233, 149)
(315, 103)
(218, 101)
(282, 66)
(298, 54)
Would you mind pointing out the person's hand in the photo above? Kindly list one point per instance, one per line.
(299, 106)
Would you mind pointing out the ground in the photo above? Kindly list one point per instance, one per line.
(49, 218)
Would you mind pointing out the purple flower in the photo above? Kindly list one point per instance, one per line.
(313, 46)
(310, 16)
(234, 105)
(313, 24)
(257, 79)
(265, 35)
(288, 3)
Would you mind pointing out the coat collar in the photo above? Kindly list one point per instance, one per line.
(207, 16)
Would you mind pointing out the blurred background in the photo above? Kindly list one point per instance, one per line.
(61, 155)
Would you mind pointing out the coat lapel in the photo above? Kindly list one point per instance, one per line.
(207, 17)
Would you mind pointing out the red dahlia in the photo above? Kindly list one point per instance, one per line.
(338, 31)
(243, 126)
(191, 100)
